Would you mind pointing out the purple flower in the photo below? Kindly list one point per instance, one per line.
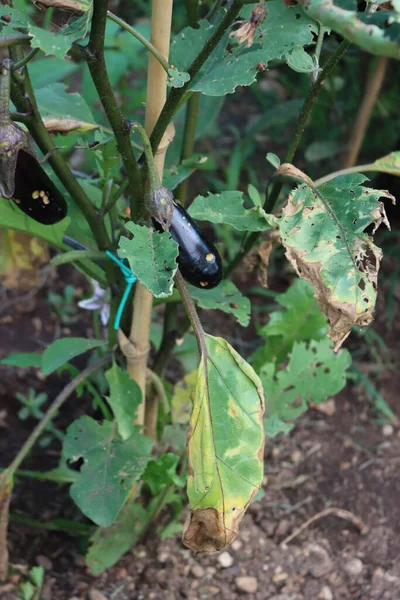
(99, 301)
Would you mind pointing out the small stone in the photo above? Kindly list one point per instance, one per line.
(296, 456)
(282, 528)
(225, 560)
(319, 562)
(236, 545)
(387, 430)
(44, 562)
(197, 571)
(325, 593)
(327, 408)
(354, 567)
(208, 591)
(96, 595)
(163, 557)
(246, 584)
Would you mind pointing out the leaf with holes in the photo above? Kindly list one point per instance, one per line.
(111, 466)
(152, 258)
(225, 297)
(227, 207)
(284, 29)
(314, 373)
(323, 232)
(225, 446)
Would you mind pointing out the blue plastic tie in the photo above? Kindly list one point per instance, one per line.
(130, 279)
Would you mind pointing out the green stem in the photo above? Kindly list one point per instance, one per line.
(189, 135)
(356, 169)
(76, 255)
(79, 529)
(141, 39)
(24, 61)
(121, 128)
(151, 168)
(14, 40)
(304, 114)
(317, 53)
(192, 314)
(159, 387)
(177, 94)
(51, 411)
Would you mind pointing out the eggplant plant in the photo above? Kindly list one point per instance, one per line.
(128, 222)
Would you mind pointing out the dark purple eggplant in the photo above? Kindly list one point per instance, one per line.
(198, 259)
(35, 193)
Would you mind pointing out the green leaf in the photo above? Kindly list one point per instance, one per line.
(273, 425)
(56, 105)
(63, 350)
(284, 29)
(388, 164)
(108, 544)
(225, 297)
(314, 373)
(177, 78)
(299, 60)
(324, 235)
(152, 258)
(49, 42)
(124, 398)
(318, 151)
(225, 446)
(302, 320)
(254, 195)
(173, 176)
(13, 218)
(227, 207)
(23, 360)
(162, 472)
(273, 159)
(36, 575)
(45, 71)
(110, 467)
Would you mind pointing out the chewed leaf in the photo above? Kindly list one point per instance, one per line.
(152, 258)
(225, 297)
(225, 447)
(324, 235)
(314, 372)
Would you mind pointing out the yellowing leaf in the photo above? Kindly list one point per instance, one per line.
(323, 232)
(225, 447)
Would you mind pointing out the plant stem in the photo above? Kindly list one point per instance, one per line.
(373, 87)
(177, 94)
(70, 527)
(51, 411)
(304, 114)
(192, 314)
(158, 384)
(356, 169)
(141, 39)
(24, 61)
(14, 40)
(139, 337)
(189, 134)
(317, 53)
(98, 70)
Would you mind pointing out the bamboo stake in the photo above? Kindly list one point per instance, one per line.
(136, 349)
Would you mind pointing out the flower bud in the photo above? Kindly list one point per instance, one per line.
(159, 203)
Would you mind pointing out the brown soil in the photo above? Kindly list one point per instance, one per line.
(346, 459)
